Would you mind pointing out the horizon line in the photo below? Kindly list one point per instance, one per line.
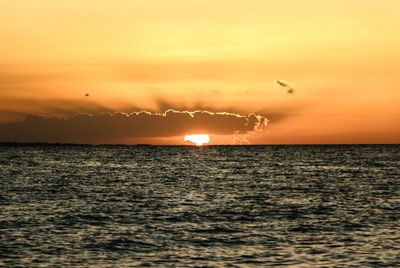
(189, 145)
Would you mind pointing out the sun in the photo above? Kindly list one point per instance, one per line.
(198, 139)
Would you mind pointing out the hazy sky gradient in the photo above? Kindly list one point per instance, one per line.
(341, 57)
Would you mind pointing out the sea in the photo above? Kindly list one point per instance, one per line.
(206, 206)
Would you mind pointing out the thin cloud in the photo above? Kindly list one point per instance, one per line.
(17, 108)
(286, 85)
(117, 127)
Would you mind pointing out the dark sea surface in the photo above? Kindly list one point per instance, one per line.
(180, 206)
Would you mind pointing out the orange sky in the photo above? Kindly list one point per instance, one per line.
(341, 57)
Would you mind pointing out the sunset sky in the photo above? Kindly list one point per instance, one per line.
(172, 58)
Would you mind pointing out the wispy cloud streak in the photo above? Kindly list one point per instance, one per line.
(285, 84)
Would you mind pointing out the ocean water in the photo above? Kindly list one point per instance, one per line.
(211, 206)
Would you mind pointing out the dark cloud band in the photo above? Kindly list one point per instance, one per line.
(109, 128)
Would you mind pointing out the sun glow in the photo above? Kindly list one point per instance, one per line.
(198, 139)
